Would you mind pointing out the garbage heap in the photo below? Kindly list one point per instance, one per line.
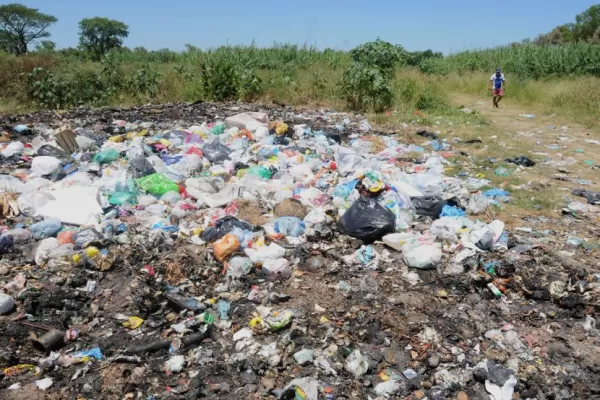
(182, 258)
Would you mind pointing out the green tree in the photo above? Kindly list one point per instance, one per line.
(45, 46)
(99, 35)
(21, 25)
(587, 23)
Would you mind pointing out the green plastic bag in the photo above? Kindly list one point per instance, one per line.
(157, 184)
(260, 172)
(118, 198)
(106, 156)
(218, 129)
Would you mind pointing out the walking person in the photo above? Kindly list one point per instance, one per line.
(497, 85)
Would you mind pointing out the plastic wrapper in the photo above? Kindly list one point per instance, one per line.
(367, 220)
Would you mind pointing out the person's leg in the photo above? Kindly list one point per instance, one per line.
(498, 101)
(494, 100)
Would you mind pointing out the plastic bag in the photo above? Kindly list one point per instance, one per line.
(44, 165)
(225, 246)
(421, 254)
(259, 172)
(85, 143)
(45, 229)
(522, 161)
(222, 227)
(12, 149)
(450, 211)
(106, 156)
(157, 184)
(290, 226)
(366, 220)
(140, 167)
(66, 236)
(44, 248)
(347, 160)
(6, 243)
(239, 267)
(216, 152)
(276, 269)
(446, 228)
(259, 255)
(29, 203)
(429, 206)
(477, 204)
(51, 151)
(19, 235)
(10, 184)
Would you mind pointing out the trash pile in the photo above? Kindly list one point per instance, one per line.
(191, 251)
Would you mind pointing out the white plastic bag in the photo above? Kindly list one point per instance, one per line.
(30, 202)
(44, 165)
(259, 255)
(478, 204)
(12, 149)
(9, 183)
(421, 254)
(446, 228)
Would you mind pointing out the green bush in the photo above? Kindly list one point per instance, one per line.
(366, 88)
(250, 85)
(223, 80)
(46, 90)
(144, 82)
(379, 54)
(219, 80)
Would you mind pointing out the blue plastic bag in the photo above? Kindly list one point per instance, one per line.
(449, 211)
(45, 229)
(290, 226)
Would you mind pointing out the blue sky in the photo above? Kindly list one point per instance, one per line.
(442, 25)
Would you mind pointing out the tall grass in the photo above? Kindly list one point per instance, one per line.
(524, 61)
(276, 57)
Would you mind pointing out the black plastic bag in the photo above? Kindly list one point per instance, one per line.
(429, 206)
(281, 140)
(592, 197)
(216, 152)
(427, 134)
(522, 161)
(47, 150)
(140, 167)
(336, 137)
(367, 220)
(222, 227)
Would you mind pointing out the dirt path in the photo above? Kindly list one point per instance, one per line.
(566, 154)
